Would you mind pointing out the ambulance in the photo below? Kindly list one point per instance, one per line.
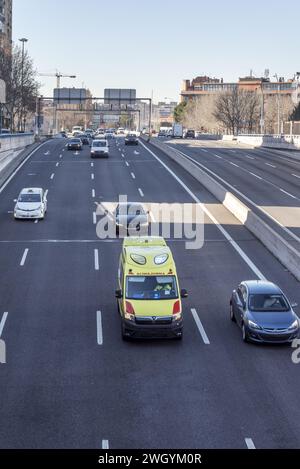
(149, 299)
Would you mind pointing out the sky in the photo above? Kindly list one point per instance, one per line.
(154, 45)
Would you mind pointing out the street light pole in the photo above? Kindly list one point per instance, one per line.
(23, 40)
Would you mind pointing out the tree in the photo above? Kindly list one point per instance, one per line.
(179, 111)
(199, 114)
(295, 114)
(21, 93)
(237, 110)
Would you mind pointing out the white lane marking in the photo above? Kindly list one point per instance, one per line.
(46, 193)
(99, 328)
(233, 243)
(60, 155)
(218, 156)
(2, 322)
(36, 221)
(96, 259)
(76, 153)
(249, 443)
(57, 164)
(94, 218)
(255, 175)
(23, 260)
(232, 151)
(92, 165)
(269, 164)
(132, 175)
(105, 444)
(234, 189)
(126, 162)
(296, 176)
(52, 176)
(141, 192)
(136, 152)
(93, 176)
(249, 157)
(93, 193)
(203, 149)
(47, 153)
(63, 149)
(20, 166)
(233, 164)
(287, 193)
(123, 156)
(200, 326)
(119, 149)
(31, 174)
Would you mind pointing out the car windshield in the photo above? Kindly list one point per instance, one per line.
(99, 144)
(151, 287)
(267, 302)
(130, 209)
(29, 198)
(76, 140)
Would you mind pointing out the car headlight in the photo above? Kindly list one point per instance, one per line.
(293, 326)
(253, 325)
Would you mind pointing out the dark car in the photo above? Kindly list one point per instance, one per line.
(263, 313)
(131, 139)
(85, 139)
(75, 144)
(189, 134)
(131, 217)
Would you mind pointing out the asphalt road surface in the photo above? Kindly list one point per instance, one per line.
(70, 381)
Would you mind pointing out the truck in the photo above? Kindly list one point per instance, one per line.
(177, 130)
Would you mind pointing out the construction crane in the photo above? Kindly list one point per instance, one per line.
(58, 76)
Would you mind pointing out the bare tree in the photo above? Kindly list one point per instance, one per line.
(20, 93)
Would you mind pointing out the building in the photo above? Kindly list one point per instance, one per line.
(203, 86)
(6, 25)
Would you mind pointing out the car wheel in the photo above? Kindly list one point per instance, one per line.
(244, 334)
(232, 316)
(117, 231)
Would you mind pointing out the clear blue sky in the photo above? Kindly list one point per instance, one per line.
(155, 44)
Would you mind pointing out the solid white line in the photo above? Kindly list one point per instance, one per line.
(269, 164)
(19, 167)
(99, 328)
(233, 243)
(96, 256)
(287, 193)
(24, 257)
(233, 164)
(94, 218)
(249, 443)
(93, 193)
(92, 176)
(296, 176)
(105, 444)
(132, 175)
(2, 322)
(57, 164)
(217, 156)
(255, 175)
(52, 176)
(126, 162)
(200, 326)
(141, 192)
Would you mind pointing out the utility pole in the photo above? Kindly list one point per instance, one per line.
(23, 119)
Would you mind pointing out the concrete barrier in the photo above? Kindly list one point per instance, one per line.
(274, 242)
(284, 142)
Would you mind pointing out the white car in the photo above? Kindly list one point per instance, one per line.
(31, 204)
(100, 148)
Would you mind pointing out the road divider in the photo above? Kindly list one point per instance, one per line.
(274, 241)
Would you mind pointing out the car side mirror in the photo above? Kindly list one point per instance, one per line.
(119, 294)
(184, 293)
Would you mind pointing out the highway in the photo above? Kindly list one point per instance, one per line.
(265, 178)
(70, 381)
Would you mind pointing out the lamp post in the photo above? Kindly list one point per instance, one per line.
(23, 40)
(278, 103)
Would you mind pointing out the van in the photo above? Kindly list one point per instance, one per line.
(148, 295)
